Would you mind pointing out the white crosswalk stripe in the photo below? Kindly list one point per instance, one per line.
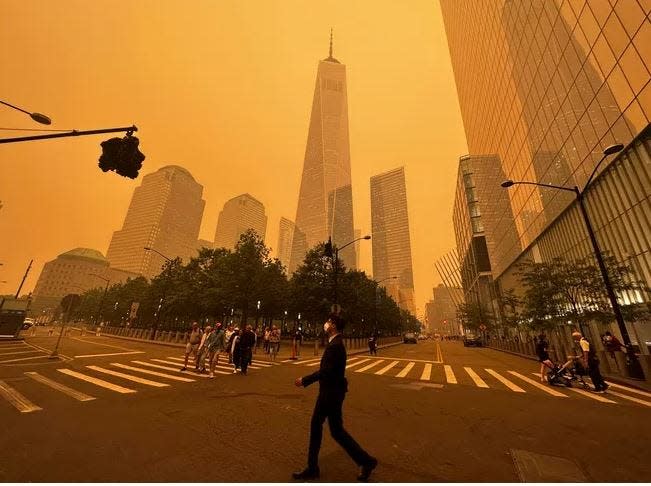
(368, 367)
(96, 381)
(223, 366)
(182, 360)
(632, 399)
(427, 372)
(159, 367)
(387, 368)
(125, 376)
(356, 363)
(449, 375)
(475, 377)
(18, 352)
(306, 362)
(629, 389)
(591, 395)
(77, 395)
(17, 399)
(505, 381)
(406, 370)
(540, 386)
(186, 371)
(152, 373)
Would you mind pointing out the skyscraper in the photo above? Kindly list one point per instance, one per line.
(165, 214)
(240, 214)
(325, 202)
(390, 236)
(285, 238)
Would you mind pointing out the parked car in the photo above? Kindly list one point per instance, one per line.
(409, 337)
(472, 340)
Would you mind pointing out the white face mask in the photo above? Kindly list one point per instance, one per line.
(326, 326)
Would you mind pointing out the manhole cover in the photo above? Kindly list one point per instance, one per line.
(541, 468)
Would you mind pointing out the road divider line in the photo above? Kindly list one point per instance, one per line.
(368, 367)
(627, 388)
(592, 395)
(124, 376)
(427, 372)
(159, 367)
(387, 368)
(108, 354)
(356, 363)
(449, 375)
(96, 381)
(22, 359)
(405, 370)
(77, 395)
(475, 377)
(18, 352)
(545, 388)
(153, 373)
(14, 397)
(627, 397)
(505, 381)
(98, 343)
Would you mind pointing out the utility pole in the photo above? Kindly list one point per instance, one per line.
(29, 267)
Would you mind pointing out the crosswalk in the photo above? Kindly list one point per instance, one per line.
(20, 352)
(90, 382)
(485, 378)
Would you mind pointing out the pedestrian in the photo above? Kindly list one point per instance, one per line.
(542, 350)
(267, 333)
(612, 344)
(228, 335)
(590, 361)
(192, 345)
(298, 340)
(274, 342)
(235, 349)
(332, 391)
(247, 341)
(215, 345)
(372, 345)
(202, 352)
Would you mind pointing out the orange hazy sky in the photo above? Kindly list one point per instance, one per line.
(223, 88)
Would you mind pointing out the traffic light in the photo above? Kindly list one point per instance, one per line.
(122, 156)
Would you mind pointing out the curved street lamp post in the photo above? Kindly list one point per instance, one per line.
(333, 252)
(634, 368)
(162, 299)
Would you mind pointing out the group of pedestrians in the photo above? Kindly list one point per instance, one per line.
(211, 342)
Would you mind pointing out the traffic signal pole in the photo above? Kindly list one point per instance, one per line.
(73, 133)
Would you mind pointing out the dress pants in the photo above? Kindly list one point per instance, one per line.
(595, 375)
(245, 359)
(329, 405)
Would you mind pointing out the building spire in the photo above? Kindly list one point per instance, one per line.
(330, 56)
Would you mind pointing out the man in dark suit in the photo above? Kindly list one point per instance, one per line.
(332, 391)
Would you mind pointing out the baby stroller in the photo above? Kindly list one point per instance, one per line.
(572, 371)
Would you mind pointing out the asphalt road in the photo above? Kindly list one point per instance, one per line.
(428, 412)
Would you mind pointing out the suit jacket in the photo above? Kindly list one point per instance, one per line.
(331, 372)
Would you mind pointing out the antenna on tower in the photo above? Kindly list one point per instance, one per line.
(330, 57)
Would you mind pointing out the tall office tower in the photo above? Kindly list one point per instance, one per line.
(477, 208)
(325, 202)
(390, 236)
(563, 80)
(240, 214)
(164, 214)
(442, 309)
(285, 238)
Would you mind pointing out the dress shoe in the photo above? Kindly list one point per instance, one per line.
(367, 469)
(306, 474)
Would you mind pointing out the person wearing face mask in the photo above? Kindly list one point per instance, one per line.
(332, 391)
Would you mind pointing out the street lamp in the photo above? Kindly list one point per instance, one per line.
(160, 303)
(37, 117)
(333, 252)
(156, 251)
(101, 302)
(634, 368)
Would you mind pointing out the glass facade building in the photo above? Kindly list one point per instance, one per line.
(390, 236)
(546, 86)
(285, 239)
(240, 214)
(325, 202)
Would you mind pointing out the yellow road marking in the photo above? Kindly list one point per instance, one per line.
(357, 363)
(368, 367)
(475, 377)
(405, 370)
(427, 372)
(16, 399)
(545, 388)
(449, 374)
(633, 399)
(504, 381)
(592, 395)
(77, 395)
(153, 373)
(96, 381)
(387, 368)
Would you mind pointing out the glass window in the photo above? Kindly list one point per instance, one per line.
(634, 69)
(616, 35)
(636, 118)
(620, 88)
(642, 41)
(630, 15)
(644, 98)
(604, 55)
(589, 26)
(601, 10)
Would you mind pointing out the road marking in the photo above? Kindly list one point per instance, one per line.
(592, 395)
(387, 368)
(151, 365)
(96, 381)
(357, 363)
(182, 360)
(77, 395)
(632, 390)
(12, 346)
(153, 373)
(545, 388)
(439, 353)
(108, 354)
(47, 351)
(22, 359)
(305, 362)
(135, 379)
(633, 399)
(225, 367)
(427, 372)
(19, 352)
(102, 344)
(475, 377)
(368, 367)
(16, 399)
(449, 374)
(405, 370)
(504, 381)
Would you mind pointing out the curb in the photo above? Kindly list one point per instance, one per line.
(615, 379)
